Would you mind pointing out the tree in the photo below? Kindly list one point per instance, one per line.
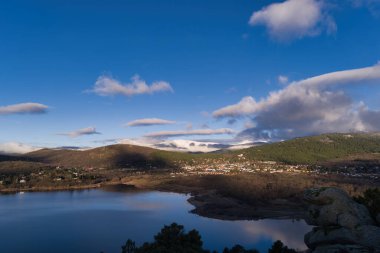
(129, 247)
(278, 247)
(173, 239)
(239, 249)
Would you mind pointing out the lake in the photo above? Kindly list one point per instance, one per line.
(91, 221)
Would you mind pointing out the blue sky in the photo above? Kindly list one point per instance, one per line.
(208, 54)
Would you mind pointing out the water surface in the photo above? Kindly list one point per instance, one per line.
(92, 221)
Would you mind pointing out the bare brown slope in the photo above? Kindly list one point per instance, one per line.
(114, 156)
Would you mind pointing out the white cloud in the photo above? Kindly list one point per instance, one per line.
(107, 86)
(283, 79)
(81, 132)
(24, 108)
(16, 148)
(343, 77)
(246, 106)
(294, 19)
(309, 106)
(167, 134)
(149, 122)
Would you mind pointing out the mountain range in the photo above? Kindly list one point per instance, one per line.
(305, 150)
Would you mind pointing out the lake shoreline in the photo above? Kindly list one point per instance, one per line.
(106, 218)
(50, 189)
(206, 203)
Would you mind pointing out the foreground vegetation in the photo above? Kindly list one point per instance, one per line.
(174, 239)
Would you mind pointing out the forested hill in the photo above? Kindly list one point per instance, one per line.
(306, 150)
(314, 149)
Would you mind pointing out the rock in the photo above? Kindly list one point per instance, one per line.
(330, 235)
(369, 236)
(366, 236)
(338, 248)
(343, 225)
(333, 206)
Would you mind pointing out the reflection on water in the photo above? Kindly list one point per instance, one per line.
(94, 221)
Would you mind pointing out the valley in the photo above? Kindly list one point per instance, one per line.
(229, 185)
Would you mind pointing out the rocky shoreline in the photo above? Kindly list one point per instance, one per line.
(341, 224)
(215, 206)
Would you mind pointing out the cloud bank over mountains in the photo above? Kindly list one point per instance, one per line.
(310, 106)
(16, 148)
(183, 145)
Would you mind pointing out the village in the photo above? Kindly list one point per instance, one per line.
(223, 166)
(58, 175)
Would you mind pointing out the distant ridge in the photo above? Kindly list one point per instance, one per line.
(113, 156)
(304, 150)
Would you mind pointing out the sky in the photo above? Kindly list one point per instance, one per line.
(185, 75)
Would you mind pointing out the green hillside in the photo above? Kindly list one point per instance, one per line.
(307, 150)
(314, 149)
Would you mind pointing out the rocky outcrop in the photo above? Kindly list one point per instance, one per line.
(342, 225)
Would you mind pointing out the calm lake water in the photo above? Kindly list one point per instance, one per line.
(92, 221)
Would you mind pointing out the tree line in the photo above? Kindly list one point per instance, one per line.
(174, 239)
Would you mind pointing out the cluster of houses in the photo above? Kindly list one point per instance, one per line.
(55, 174)
(224, 166)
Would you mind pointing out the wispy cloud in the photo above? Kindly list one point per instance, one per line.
(167, 134)
(23, 108)
(372, 5)
(81, 132)
(309, 106)
(294, 19)
(149, 122)
(283, 79)
(108, 86)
